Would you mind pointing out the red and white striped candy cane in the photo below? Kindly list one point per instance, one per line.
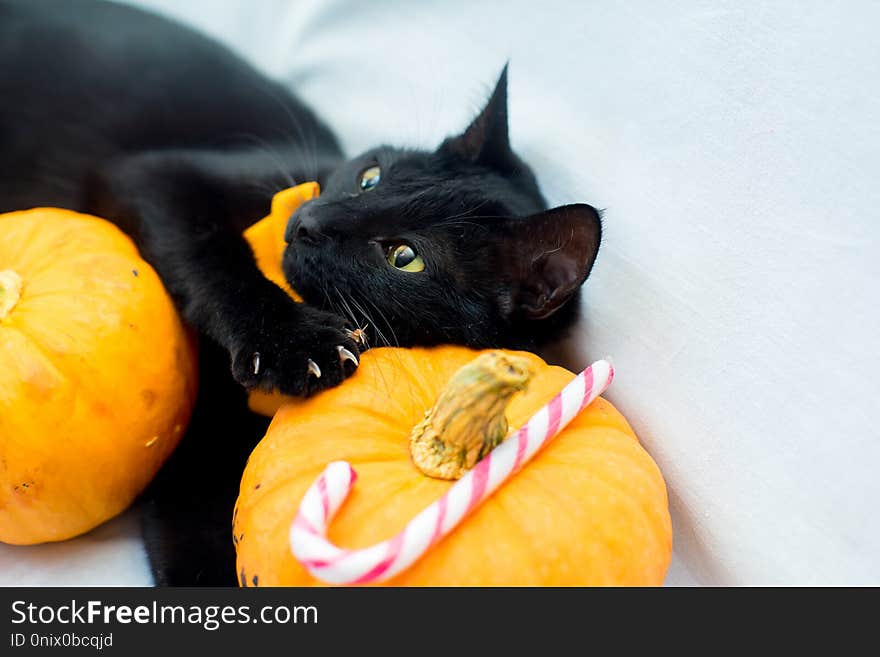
(335, 565)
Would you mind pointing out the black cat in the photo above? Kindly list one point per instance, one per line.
(109, 110)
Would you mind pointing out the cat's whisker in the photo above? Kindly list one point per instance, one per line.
(272, 154)
(359, 335)
(466, 222)
(385, 319)
(346, 309)
(307, 140)
(465, 212)
(397, 389)
(379, 334)
(450, 224)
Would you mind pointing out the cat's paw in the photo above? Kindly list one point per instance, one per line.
(301, 354)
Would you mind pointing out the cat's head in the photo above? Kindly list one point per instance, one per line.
(450, 246)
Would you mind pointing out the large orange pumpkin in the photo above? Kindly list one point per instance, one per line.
(97, 374)
(590, 509)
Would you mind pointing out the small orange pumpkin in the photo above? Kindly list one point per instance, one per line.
(589, 509)
(97, 374)
(266, 238)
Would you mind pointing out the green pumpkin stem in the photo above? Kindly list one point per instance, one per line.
(10, 291)
(468, 421)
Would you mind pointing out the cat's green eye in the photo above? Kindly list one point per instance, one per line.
(404, 258)
(370, 178)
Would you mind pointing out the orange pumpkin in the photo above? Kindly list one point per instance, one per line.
(589, 509)
(97, 374)
(266, 238)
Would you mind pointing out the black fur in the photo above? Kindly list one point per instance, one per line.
(109, 110)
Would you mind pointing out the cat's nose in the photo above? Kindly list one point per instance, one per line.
(303, 227)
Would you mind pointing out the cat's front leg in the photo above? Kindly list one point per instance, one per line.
(291, 347)
(186, 211)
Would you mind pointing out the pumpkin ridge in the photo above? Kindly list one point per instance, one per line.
(10, 291)
(613, 421)
(291, 477)
(20, 247)
(368, 403)
(99, 234)
(565, 501)
(49, 355)
(358, 450)
(613, 484)
(68, 290)
(634, 504)
(388, 361)
(39, 347)
(382, 417)
(622, 442)
(36, 339)
(497, 503)
(125, 259)
(532, 479)
(624, 447)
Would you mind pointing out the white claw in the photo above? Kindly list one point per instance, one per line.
(255, 361)
(345, 354)
(314, 370)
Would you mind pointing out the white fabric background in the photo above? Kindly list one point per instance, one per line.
(736, 149)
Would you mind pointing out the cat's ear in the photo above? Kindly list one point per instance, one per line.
(486, 140)
(547, 257)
